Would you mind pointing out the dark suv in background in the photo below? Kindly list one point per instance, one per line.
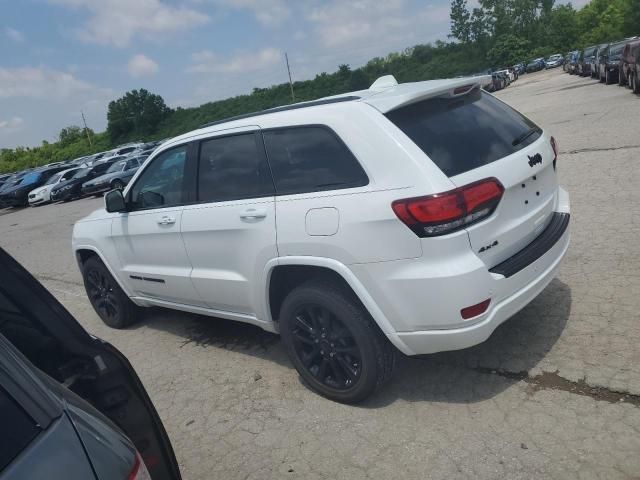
(628, 59)
(585, 62)
(609, 62)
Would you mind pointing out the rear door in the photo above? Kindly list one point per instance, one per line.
(476, 136)
(51, 339)
(230, 232)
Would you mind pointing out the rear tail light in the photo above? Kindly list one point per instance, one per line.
(447, 212)
(139, 470)
(555, 151)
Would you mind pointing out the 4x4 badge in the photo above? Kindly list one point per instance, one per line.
(536, 159)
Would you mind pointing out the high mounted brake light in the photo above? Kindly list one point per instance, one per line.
(444, 213)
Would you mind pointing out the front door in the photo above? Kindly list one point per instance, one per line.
(154, 262)
(230, 233)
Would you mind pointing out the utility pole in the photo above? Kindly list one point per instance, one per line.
(86, 130)
(286, 57)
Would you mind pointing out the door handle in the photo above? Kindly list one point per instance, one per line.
(166, 220)
(253, 214)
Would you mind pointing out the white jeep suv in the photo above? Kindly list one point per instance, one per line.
(415, 217)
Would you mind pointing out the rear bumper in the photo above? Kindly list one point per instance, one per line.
(422, 298)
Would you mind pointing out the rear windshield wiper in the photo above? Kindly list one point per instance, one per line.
(524, 136)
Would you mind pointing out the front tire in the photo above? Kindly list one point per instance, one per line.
(112, 305)
(333, 342)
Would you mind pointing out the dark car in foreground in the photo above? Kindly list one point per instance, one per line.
(115, 178)
(17, 195)
(609, 62)
(71, 405)
(72, 188)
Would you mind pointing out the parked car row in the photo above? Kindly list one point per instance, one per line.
(65, 181)
(614, 62)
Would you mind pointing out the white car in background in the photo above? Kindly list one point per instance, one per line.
(42, 195)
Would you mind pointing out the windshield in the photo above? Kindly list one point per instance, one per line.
(54, 179)
(31, 178)
(617, 49)
(116, 167)
(81, 173)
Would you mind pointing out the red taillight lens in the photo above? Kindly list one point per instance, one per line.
(447, 212)
(139, 470)
(475, 310)
(554, 145)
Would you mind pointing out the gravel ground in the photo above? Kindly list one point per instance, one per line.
(554, 393)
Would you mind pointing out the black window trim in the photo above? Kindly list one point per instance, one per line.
(260, 148)
(188, 181)
(336, 136)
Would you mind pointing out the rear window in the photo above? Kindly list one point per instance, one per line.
(463, 133)
(311, 159)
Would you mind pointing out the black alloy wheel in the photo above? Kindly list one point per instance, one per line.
(326, 347)
(332, 341)
(109, 301)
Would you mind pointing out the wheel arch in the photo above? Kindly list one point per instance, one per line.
(284, 274)
(84, 252)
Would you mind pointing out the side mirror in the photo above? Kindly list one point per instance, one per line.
(114, 201)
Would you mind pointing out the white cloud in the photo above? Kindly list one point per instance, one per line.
(14, 35)
(209, 62)
(139, 65)
(13, 123)
(116, 22)
(42, 83)
(375, 23)
(267, 12)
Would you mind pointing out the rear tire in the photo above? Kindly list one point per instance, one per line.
(636, 84)
(607, 78)
(334, 343)
(112, 305)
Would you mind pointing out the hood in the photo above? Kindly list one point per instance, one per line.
(96, 215)
(71, 181)
(44, 188)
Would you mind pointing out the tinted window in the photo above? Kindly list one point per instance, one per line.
(162, 182)
(18, 429)
(463, 133)
(232, 168)
(116, 167)
(311, 159)
(83, 172)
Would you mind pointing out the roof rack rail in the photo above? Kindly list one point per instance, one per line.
(284, 108)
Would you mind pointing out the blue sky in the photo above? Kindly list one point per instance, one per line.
(60, 57)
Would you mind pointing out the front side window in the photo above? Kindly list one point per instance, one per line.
(232, 168)
(462, 133)
(311, 159)
(116, 167)
(162, 182)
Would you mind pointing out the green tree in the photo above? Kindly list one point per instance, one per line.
(508, 49)
(460, 21)
(69, 135)
(135, 115)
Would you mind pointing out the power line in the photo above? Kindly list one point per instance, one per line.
(286, 57)
(86, 130)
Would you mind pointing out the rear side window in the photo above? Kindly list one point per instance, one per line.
(463, 133)
(18, 429)
(233, 168)
(311, 159)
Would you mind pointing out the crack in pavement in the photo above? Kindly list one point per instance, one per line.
(594, 149)
(553, 381)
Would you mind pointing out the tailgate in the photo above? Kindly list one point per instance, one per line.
(531, 185)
